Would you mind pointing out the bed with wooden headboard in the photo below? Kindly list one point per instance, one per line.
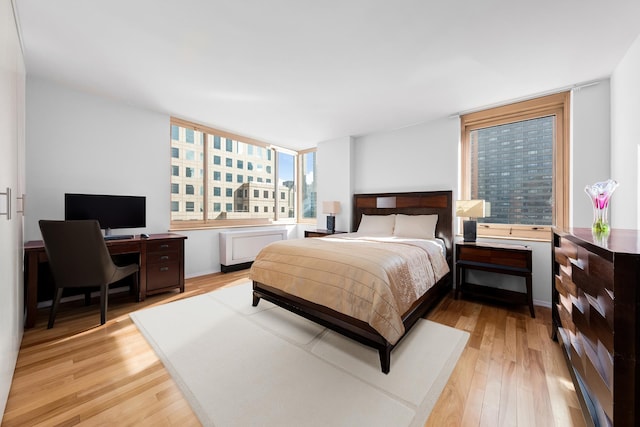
(413, 203)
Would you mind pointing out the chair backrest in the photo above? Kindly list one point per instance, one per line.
(78, 255)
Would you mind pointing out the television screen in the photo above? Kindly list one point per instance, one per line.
(111, 211)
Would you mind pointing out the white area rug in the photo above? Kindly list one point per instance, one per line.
(239, 365)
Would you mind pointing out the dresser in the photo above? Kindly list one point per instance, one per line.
(595, 313)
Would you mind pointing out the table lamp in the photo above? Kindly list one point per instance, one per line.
(331, 208)
(471, 209)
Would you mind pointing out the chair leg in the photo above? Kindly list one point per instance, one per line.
(104, 291)
(54, 307)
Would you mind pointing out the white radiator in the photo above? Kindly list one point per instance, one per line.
(239, 248)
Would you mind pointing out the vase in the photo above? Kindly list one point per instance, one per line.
(600, 194)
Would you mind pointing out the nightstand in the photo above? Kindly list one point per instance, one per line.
(514, 260)
(321, 233)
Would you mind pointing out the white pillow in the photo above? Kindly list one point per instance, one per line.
(416, 226)
(377, 224)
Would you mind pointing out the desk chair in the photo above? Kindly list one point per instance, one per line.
(78, 257)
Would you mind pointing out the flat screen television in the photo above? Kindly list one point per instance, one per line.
(111, 211)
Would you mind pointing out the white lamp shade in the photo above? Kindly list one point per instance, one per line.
(470, 208)
(330, 207)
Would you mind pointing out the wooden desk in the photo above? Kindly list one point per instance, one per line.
(160, 257)
(514, 260)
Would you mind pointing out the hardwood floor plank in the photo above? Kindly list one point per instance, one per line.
(80, 373)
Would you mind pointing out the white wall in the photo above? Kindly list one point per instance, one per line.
(625, 145)
(416, 158)
(78, 142)
(335, 180)
(12, 86)
(590, 152)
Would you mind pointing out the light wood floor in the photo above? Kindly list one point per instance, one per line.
(80, 373)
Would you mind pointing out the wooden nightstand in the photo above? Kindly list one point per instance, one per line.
(321, 233)
(514, 260)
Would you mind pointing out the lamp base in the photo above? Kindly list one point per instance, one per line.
(331, 223)
(469, 230)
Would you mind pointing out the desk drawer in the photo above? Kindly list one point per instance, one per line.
(163, 275)
(168, 256)
(164, 246)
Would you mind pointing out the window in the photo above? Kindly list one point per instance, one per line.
(175, 206)
(190, 207)
(308, 196)
(175, 170)
(516, 158)
(175, 152)
(273, 172)
(175, 188)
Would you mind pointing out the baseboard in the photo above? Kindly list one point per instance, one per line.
(235, 267)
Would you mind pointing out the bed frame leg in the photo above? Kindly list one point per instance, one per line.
(385, 359)
(256, 300)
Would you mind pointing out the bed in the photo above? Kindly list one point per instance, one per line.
(320, 267)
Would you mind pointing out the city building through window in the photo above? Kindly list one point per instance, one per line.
(250, 169)
(515, 157)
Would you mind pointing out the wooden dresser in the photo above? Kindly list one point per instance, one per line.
(596, 299)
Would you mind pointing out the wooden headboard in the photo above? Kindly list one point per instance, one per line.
(413, 203)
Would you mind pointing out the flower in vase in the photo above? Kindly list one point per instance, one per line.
(600, 194)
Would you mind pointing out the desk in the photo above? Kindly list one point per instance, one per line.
(160, 257)
(514, 260)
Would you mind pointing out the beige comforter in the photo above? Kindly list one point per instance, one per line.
(375, 280)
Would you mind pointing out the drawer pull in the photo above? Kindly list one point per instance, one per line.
(164, 257)
(577, 263)
(164, 246)
(164, 268)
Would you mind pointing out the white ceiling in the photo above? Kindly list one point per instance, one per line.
(298, 72)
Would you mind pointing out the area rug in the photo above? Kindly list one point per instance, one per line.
(239, 365)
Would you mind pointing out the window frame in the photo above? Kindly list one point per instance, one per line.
(557, 105)
(300, 193)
